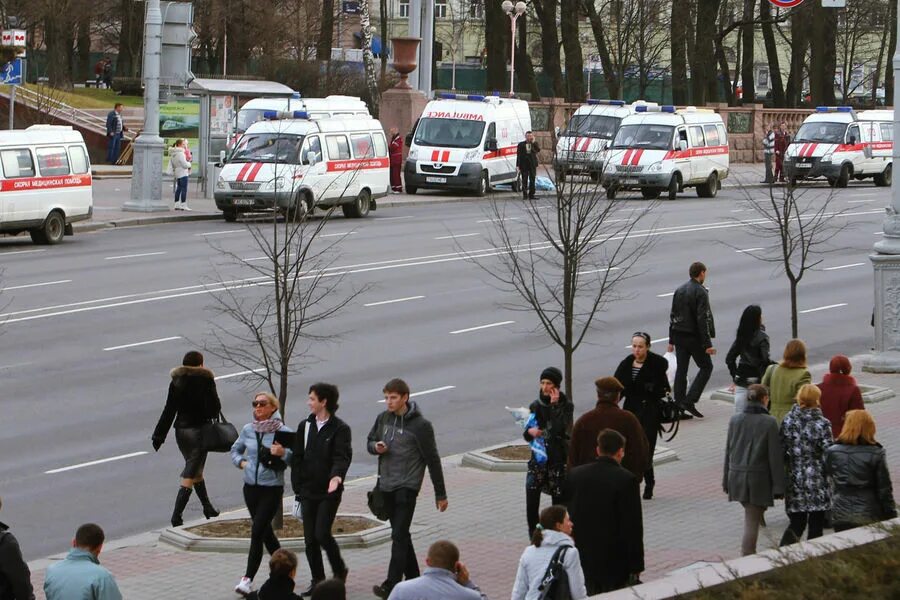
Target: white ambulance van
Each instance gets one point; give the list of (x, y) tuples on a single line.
[(289, 160), (664, 149), (45, 182), (317, 108), (579, 149), (837, 143), (466, 142)]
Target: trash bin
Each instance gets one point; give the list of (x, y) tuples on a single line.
[(212, 176)]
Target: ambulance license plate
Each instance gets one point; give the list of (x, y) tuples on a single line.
[(243, 201), (436, 180), (803, 165)]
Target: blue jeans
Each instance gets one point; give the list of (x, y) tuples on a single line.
[(112, 148), (181, 189)]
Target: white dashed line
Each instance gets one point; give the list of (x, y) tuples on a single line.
[(748, 250), (812, 310), (133, 255), (95, 462), (31, 285), (220, 232), (238, 374), (325, 235), (394, 301), (456, 235), (843, 267), (652, 341), (425, 392), (666, 295), (160, 340), (489, 325)]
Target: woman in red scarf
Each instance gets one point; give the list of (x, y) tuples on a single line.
[(396, 154)]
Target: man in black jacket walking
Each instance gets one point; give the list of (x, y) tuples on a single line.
[(526, 164), (605, 507), (404, 442), (322, 455), (691, 329), (15, 578)]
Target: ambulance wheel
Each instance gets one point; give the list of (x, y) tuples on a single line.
[(883, 179), (358, 208), (595, 176), (650, 193), (710, 188), (230, 216), (611, 192), (844, 178), (674, 184), (52, 231), (484, 187), (411, 190)]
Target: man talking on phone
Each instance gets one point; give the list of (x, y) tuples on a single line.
[(445, 578), (404, 442)]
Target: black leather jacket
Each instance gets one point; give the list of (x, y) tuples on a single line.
[(192, 400), (691, 314), (753, 362), (862, 484)]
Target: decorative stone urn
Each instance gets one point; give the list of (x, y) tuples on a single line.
[(405, 58)]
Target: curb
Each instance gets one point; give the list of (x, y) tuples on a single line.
[(480, 459), (870, 394), (97, 225)]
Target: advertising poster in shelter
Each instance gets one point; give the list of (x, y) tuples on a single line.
[(181, 119)]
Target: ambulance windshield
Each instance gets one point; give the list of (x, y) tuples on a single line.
[(828, 133), (268, 148), (595, 126), (248, 116), (449, 133), (655, 137)]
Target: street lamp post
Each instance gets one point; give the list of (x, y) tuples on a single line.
[(514, 12)]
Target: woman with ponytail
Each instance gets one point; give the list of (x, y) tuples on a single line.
[(552, 535)]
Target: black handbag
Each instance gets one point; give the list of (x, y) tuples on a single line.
[(377, 500), (670, 413), (555, 583), (219, 435)]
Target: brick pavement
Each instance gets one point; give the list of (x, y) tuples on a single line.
[(689, 520)]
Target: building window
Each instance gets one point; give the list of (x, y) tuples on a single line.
[(476, 9), (404, 10), (440, 9)]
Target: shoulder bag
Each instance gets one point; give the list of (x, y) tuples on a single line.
[(555, 583), (377, 500), (670, 413), (219, 435)]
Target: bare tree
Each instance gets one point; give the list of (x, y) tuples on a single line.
[(859, 43), (365, 24), (794, 233)]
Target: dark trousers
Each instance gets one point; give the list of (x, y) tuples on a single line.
[(263, 502), (403, 563), (798, 521), (686, 348), (533, 507), (599, 583), (181, 189), (649, 419), (112, 148), (769, 177), (528, 175), (318, 518)]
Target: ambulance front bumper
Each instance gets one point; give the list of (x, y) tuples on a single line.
[(577, 163), (804, 168), (467, 176), (636, 180), (249, 201)]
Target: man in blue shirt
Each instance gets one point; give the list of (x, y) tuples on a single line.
[(80, 574), (115, 127), (445, 578)]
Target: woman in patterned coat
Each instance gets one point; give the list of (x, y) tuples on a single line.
[(805, 434)]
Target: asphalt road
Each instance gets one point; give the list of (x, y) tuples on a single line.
[(94, 325)]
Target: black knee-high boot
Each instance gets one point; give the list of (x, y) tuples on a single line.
[(209, 511), (649, 483), (181, 500)]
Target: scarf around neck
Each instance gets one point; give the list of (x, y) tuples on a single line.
[(267, 425)]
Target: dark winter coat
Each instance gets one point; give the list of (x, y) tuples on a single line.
[(748, 364), (277, 587), (608, 415), (805, 435), (326, 454), (861, 483), (754, 459), (839, 395), (604, 504), (411, 447), (15, 578), (555, 421), (192, 400), (691, 314), (644, 393), (525, 160)]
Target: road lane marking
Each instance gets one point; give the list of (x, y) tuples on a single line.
[(238, 374), (489, 325), (394, 301), (497, 220), (394, 218), (812, 310), (95, 462), (860, 201), (599, 270), (22, 252), (456, 235), (878, 233), (652, 341), (133, 255), (843, 267), (157, 341), (325, 235), (31, 285), (425, 392), (749, 250), (737, 210), (666, 295), (226, 232)]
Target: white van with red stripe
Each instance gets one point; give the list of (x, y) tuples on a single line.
[(837, 143), (466, 142), (45, 182), (664, 149), (317, 108), (291, 162), (591, 128)]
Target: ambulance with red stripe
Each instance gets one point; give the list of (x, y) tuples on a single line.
[(591, 128), (317, 108), (45, 182), (466, 142), (661, 149), (838, 144), (291, 162)]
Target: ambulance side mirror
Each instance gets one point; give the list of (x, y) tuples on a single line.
[(852, 140), (221, 157), (491, 145), (409, 139), (682, 145)]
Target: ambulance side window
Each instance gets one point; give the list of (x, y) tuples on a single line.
[(680, 136), (869, 132), (887, 132), (380, 145), (853, 135), (712, 135), (17, 163), (362, 145), (338, 148), (79, 160), (312, 145), (52, 161), (696, 134), (723, 137)]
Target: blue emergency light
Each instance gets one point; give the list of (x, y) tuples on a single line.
[(607, 102), (272, 115), (451, 96), (644, 108), (295, 96), (843, 109)]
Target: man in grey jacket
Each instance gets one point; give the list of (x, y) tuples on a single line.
[(445, 578), (80, 574), (404, 442)]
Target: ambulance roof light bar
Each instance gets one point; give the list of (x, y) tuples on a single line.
[(665, 108), (274, 115), (827, 109), (296, 96), (452, 96), (606, 102)]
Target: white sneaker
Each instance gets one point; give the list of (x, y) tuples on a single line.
[(185, 207), (177, 206), (244, 586)]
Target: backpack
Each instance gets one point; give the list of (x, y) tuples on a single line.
[(555, 583)]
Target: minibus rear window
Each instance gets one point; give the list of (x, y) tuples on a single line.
[(17, 163)]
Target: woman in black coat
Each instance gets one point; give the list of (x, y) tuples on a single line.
[(553, 415), (322, 455), (192, 403), (643, 373)]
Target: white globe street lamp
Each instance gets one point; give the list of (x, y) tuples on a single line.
[(514, 11)]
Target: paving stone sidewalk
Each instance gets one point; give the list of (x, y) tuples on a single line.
[(688, 521)]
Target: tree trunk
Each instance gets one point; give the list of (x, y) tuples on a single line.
[(569, 10), (891, 49), (57, 36), (524, 67), (800, 22), (794, 322), (85, 70), (326, 34), (496, 46), (546, 11), (365, 24), (383, 9), (725, 71), (772, 54), (747, 53), (704, 54), (823, 55), (681, 14), (609, 70), (131, 39)]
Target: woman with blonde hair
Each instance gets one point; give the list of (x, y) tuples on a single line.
[(857, 467), (263, 461), (805, 435), (785, 379)]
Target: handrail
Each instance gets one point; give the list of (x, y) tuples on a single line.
[(56, 108)]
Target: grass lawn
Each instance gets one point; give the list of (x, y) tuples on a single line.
[(85, 97)]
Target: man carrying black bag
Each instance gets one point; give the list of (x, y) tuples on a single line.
[(404, 442)]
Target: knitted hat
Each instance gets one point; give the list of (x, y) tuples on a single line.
[(840, 364), (552, 374)]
